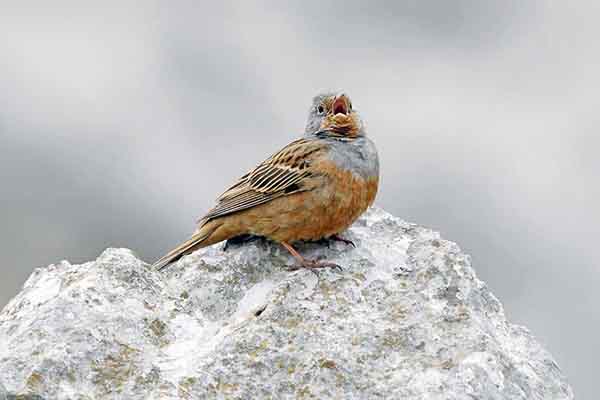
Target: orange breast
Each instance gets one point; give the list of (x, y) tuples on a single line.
[(338, 198), (350, 196)]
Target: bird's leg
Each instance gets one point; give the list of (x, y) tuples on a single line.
[(338, 238), (309, 264)]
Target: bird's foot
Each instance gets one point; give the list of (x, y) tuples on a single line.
[(338, 238), (335, 238), (312, 265)]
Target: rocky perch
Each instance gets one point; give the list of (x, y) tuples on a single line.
[(406, 319)]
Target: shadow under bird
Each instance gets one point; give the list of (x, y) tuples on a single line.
[(314, 188)]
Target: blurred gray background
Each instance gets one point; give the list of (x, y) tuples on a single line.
[(120, 123)]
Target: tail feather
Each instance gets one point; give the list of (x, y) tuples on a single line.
[(193, 243)]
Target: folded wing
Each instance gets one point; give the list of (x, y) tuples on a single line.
[(284, 173)]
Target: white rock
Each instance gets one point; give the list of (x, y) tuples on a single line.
[(406, 319)]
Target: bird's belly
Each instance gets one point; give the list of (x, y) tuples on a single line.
[(326, 210)]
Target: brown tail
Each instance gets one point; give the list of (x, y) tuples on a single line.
[(197, 241)]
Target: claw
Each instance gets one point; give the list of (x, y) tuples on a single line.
[(338, 238), (312, 265)]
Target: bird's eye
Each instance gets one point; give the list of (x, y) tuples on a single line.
[(320, 109)]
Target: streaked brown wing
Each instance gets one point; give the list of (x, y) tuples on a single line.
[(282, 174)]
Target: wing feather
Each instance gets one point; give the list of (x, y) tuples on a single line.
[(281, 174)]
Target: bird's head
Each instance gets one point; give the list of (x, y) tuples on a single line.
[(332, 114)]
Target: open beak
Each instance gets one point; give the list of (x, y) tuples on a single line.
[(341, 105)]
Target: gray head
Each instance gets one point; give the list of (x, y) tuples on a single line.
[(332, 112)]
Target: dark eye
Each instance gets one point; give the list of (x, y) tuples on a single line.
[(320, 109)]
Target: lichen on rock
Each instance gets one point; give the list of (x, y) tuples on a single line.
[(407, 318)]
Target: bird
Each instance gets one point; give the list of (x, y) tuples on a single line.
[(312, 189)]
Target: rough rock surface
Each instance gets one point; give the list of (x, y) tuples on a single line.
[(406, 319)]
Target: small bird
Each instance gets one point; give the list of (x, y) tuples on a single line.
[(314, 188)]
